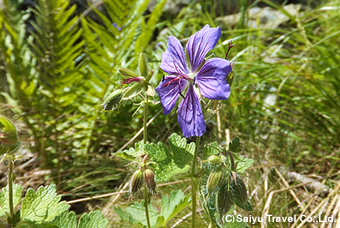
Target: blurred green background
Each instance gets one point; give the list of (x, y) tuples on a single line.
[(59, 60)]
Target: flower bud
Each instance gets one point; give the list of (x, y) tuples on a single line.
[(239, 194), (223, 200), (113, 100), (214, 179), (143, 66), (149, 179), (213, 159), (136, 181), (8, 136), (128, 73)]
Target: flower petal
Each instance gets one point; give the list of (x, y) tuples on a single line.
[(190, 116), (168, 91), (173, 59), (211, 79), (200, 44)]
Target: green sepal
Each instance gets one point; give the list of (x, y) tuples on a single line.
[(230, 78), (150, 91)]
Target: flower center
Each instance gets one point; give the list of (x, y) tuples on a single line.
[(191, 75)]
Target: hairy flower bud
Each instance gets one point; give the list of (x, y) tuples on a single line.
[(143, 66), (136, 181), (214, 179), (149, 179), (213, 159), (223, 200), (239, 194), (8, 136)]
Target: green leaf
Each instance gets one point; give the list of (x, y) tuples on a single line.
[(66, 220), (4, 202), (172, 206), (234, 145), (28, 224), (135, 214), (210, 149), (42, 205), (132, 153), (242, 163), (94, 219), (173, 160)]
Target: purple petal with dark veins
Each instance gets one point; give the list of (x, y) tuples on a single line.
[(168, 91), (211, 79), (173, 59), (190, 116), (200, 44)]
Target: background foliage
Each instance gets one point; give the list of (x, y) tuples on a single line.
[(59, 63)]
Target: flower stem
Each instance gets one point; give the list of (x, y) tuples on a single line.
[(146, 202), (146, 195), (194, 184), (10, 187), (145, 118)]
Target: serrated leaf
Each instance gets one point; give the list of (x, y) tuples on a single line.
[(4, 202), (42, 205), (94, 219), (132, 153), (28, 224), (135, 214), (66, 220), (210, 149), (234, 145), (172, 206), (242, 163), (173, 160)]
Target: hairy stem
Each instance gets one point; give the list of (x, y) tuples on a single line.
[(10, 187), (145, 135), (194, 184), (146, 202)]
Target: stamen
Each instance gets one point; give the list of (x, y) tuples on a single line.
[(229, 47), (163, 78), (194, 81)]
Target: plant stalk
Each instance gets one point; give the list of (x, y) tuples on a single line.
[(10, 188), (146, 202), (146, 196), (194, 184)]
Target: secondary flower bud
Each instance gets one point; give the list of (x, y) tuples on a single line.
[(149, 179), (214, 179), (136, 181)]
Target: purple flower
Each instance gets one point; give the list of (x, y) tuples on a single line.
[(208, 80)]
